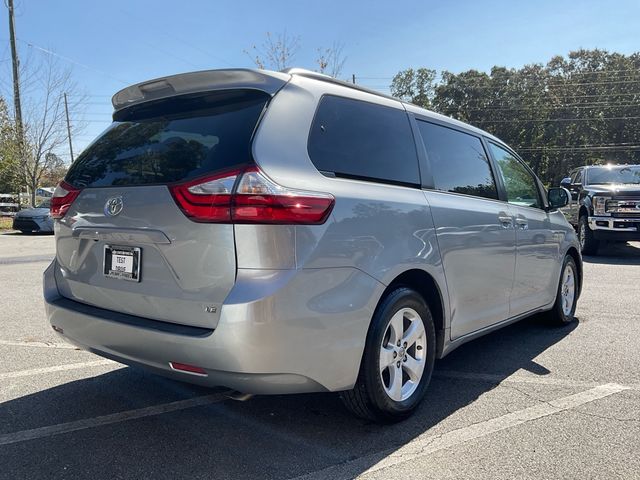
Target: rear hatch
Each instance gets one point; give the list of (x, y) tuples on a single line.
[(124, 244)]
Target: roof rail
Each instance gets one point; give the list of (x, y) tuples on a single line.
[(326, 78)]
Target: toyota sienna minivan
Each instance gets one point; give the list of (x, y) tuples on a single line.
[(286, 232)]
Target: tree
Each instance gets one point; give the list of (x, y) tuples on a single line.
[(331, 60), (279, 51), (415, 86), (56, 170), (276, 53), (45, 130), (576, 110), (9, 159)]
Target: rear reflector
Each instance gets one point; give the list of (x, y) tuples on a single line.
[(250, 197), (183, 367), (63, 197)]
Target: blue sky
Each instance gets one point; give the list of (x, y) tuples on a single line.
[(117, 42)]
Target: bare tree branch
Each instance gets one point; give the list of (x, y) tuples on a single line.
[(277, 52), (331, 60), (44, 119)]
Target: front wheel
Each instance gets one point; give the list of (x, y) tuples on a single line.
[(567, 295), (588, 243), (398, 359)]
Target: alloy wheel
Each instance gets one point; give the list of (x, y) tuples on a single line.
[(403, 354)]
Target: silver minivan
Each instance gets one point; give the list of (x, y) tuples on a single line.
[(285, 232)]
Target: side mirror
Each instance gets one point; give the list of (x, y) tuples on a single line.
[(558, 197), (565, 182)]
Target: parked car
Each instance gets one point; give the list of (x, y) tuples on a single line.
[(605, 204), (286, 232), (35, 219)]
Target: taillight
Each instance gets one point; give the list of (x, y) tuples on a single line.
[(63, 197), (258, 199), (255, 199), (206, 199)]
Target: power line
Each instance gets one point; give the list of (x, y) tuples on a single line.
[(581, 148), (169, 33), (557, 107), (49, 52), (557, 119), (511, 74), (552, 85)]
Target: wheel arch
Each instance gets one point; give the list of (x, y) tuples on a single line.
[(583, 212), (426, 285)]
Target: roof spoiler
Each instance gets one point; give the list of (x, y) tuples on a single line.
[(267, 81)]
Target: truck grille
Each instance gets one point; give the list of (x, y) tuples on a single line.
[(624, 207)]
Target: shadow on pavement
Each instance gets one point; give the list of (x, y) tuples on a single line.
[(616, 254), (266, 437)]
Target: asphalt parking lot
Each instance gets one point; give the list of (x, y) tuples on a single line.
[(530, 401)]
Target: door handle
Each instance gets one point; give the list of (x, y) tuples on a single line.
[(505, 220), (522, 223)]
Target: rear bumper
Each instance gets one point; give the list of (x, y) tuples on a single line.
[(612, 228), (288, 331)]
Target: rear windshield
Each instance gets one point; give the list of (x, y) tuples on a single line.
[(172, 140)]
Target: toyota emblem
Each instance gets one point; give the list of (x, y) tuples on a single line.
[(113, 206)]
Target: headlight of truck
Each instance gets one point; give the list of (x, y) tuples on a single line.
[(600, 205)]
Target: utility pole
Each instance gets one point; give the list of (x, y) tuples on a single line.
[(66, 111), (17, 105), (353, 78), (16, 66)]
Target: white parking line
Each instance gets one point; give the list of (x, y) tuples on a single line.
[(16, 343), (497, 379), (56, 368), (427, 444), (49, 431)]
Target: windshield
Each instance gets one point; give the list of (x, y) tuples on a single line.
[(45, 204), (604, 175)]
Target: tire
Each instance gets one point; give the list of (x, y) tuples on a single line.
[(588, 243), (564, 308), (372, 396)]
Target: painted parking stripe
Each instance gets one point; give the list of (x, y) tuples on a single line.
[(497, 379), (25, 259), (17, 343), (49, 431), (56, 368), (426, 444)]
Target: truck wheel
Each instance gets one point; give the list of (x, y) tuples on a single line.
[(567, 295), (588, 243), (398, 359)]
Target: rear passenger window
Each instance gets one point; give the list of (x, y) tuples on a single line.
[(458, 161), (356, 139)]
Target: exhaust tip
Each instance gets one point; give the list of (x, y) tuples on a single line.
[(239, 396)]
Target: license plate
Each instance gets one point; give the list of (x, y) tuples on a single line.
[(122, 263)]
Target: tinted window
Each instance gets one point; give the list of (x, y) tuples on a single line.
[(628, 174), (519, 183), (358, 139), (458, 161), (579, 175), (171, 140)]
